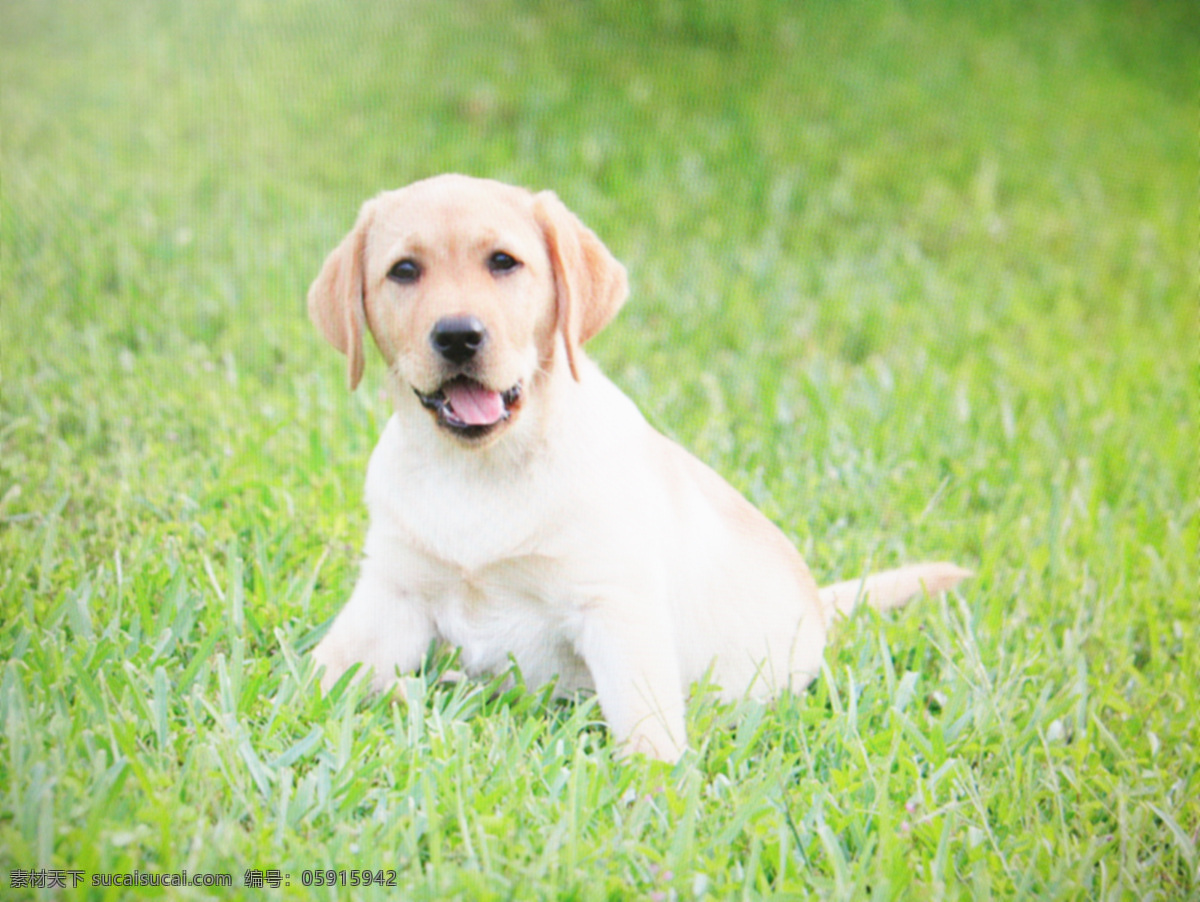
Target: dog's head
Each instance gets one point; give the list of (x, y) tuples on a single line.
[(470, 288)]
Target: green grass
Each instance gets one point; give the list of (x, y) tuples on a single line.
[(918, 278)]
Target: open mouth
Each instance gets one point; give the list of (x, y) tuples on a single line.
[(469, 409)]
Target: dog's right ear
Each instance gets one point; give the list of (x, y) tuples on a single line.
[(335, 300)]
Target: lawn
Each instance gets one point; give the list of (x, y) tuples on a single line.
[(919, 278)]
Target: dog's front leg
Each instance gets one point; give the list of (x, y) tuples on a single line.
[(381, 627), (634, 666)]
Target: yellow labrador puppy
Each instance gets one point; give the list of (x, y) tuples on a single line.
[(520, 504)]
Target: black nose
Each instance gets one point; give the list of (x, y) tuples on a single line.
[(457, 338)]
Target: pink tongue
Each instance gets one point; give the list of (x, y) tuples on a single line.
[(474, 404)]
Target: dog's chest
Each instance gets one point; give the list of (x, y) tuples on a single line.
[(465, 512), (493, 553), (511, 610)]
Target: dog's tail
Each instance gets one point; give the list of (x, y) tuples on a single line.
[(891, 588)]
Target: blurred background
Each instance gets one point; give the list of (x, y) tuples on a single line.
[(827, 210), (205, 155)]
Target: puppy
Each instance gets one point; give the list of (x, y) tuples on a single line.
[(519, 503)]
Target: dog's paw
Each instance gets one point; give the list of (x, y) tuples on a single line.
[(332, 662), (655, 741)]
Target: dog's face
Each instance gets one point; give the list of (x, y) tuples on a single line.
[(467, 287), (459, 295)]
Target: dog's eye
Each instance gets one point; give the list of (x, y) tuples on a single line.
[(502, 262), (405, 271)]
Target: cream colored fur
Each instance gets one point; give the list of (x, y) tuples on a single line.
[(571, 537)]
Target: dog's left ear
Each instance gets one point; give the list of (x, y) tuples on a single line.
[(335, 300), (590, 284)]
